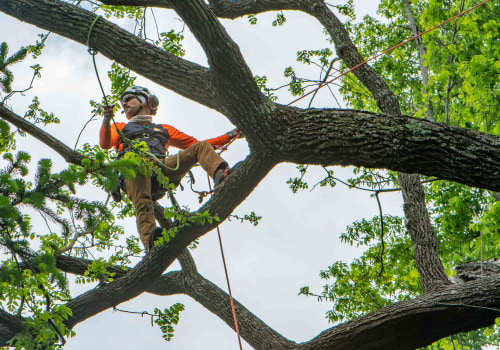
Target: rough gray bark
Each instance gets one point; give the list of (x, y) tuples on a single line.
[(472, 271), (334, 137), (405, 325), (10, 325), (418, 223), (425, 243), (277, 133)]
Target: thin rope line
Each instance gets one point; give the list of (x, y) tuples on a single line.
[(227, 279), (90, 31), (229, 289), (390, 49), (93, 53)]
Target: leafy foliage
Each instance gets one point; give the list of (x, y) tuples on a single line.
[(463, 63), (280, 20), (347, 9), (120, 81), (252, 19), (37, 115), (6, 76), (183, 218), (385, 273), (131, 12), (261, 83), (171, 42), (252, 218), (465, 219), (168, 317)]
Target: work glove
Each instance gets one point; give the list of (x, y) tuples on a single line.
[(108, 112), (235, 134)]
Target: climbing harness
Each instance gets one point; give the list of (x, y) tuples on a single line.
[(155, 136), (135, 136), (140, 133)]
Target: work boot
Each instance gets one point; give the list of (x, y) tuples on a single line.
[(155, 234), (220, 175)]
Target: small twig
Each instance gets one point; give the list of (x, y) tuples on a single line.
[(327, 74), (80, 234), (81, 131), (134, 312)]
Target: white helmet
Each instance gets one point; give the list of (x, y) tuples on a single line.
[(145, 96)]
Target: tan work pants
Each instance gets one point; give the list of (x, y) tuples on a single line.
[(138, 190)]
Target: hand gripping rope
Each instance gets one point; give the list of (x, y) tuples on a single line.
[(203, 194), (93, 52)]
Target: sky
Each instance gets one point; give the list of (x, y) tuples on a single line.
[(298, 234)]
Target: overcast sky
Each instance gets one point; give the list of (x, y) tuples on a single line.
[(268, 264)]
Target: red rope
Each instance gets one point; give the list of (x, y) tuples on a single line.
[(229, 289), (338, 77), (227, 279), (390, 49)]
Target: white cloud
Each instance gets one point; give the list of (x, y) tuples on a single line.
[(297, 237)]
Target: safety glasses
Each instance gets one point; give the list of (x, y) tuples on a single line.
[(127, 98)]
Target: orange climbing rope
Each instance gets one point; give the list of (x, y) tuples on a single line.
[(204, 193), (390, 49), (227, 275)]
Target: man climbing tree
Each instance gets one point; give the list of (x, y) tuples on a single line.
[(223, 81), (140, 105)]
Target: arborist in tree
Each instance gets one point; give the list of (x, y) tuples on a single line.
[(139, 104)]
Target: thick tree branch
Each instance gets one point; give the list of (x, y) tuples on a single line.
[(64, 151), (388, 103), (224, 8), (462, 307), (327, 137), (186, 78), (419, 322), (333, 137), (457, 307), (471, 271), (224, 56), (348, 52), (412, 149), (230, 194), (346, 137), (214, 299), (243, 180), (425, 244), (258, 334), (9, 326), (167, 284)]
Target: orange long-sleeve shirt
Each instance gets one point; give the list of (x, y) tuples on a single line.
[(109, 138)]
